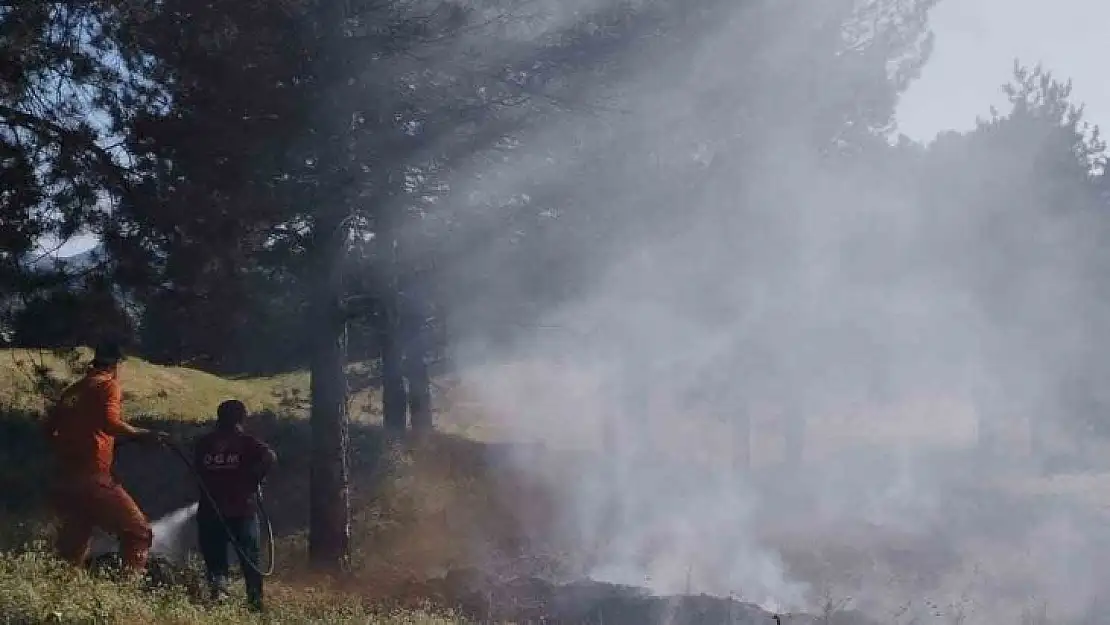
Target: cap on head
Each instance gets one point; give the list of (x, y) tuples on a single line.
[(231, 413), (107, 354)]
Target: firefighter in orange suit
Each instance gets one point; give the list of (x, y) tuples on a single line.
[(82, 430)]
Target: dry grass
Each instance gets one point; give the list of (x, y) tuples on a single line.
[(191, 395), (35, 588), (169, 392)]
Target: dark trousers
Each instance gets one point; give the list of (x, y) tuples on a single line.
[(214, 543)]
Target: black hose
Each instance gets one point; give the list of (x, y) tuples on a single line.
[(264, 518)]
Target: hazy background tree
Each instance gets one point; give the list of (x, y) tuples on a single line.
[(1030, 179)]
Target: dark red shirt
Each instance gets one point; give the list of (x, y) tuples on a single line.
[(231, 465)]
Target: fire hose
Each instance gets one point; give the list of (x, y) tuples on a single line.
[(264, 518)]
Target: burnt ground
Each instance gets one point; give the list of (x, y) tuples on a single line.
[(483, 598)]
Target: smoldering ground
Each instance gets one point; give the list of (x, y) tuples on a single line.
[(737, 270)]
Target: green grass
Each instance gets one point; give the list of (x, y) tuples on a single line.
[(35, 588), (167, 392)]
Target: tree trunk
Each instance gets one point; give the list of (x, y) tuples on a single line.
[(394, 397), (415, 332), (330, 512), (329, 482), (419, 387)]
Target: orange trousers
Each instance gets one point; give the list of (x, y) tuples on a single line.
[(85, 503)]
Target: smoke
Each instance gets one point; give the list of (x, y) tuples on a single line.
[(653, 363), (175, 534), (781, 357), (174, 537)]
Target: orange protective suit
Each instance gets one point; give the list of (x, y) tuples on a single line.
[(82, 430)]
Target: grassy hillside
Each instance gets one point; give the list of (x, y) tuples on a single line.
[(183, 394), (171, 392)]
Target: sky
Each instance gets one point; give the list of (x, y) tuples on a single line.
[(77, 245), (976, 44)]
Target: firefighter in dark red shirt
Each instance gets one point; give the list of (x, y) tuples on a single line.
[(232, 465)]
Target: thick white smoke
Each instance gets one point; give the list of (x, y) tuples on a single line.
[(842, 310)]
